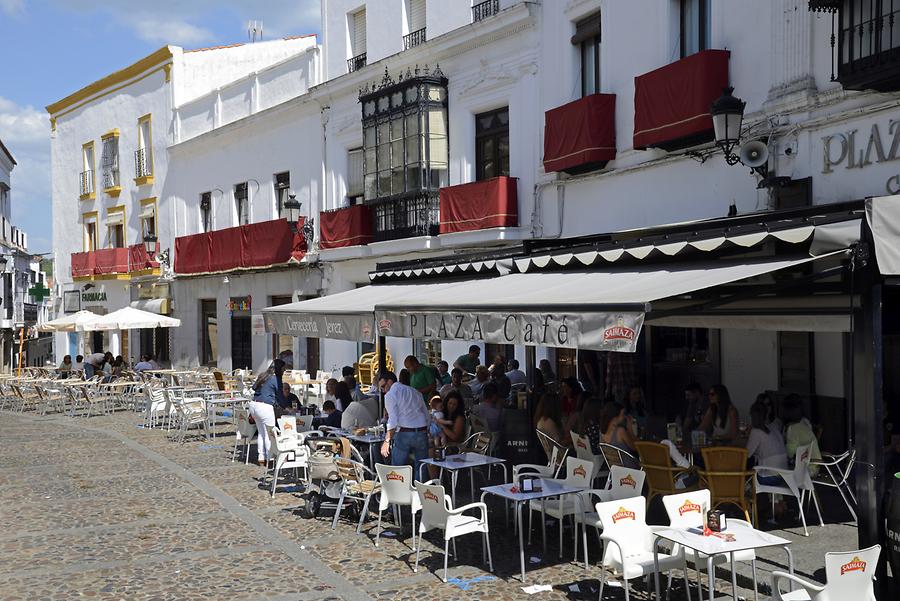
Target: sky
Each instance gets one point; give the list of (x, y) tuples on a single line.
[(51, 48)]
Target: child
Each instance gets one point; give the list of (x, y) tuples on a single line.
[(437, 420)]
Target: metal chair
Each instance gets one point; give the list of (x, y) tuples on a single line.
[(836, 474), (797, 482)]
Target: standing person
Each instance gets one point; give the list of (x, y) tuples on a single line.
[(266, 394), (694, 409), (469, 362), (407, 425), (443, 372), (92, 364), (421, 377), (721, 419), (515, 375)]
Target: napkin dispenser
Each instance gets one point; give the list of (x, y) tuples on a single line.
[(440, 454), (530, 484), (716, 521)]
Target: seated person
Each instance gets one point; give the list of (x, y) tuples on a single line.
[(332, 416), (765, 444), (291, 400), (456, 384), (489, 409), (359, 414), (443, 369), (515, 375), (144, 364), (482, 375)]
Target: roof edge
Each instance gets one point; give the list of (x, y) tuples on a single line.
[(151, 60), (7, 153)]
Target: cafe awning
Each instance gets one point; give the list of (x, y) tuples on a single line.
[(883, 216)]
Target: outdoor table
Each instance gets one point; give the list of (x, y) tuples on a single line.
[(549, 488), (211, 402), (745, 538), (369, 439), (455, 463)]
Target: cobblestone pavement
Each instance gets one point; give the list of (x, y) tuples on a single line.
[(100, 508)]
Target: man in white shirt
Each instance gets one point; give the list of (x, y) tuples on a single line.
[(358, 414), (144, 364), (407, 424), (515, 375), (93, 363)]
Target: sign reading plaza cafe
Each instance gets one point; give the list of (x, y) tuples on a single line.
[(598, 331), (861, 147)]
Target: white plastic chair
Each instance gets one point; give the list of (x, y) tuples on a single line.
[(688, 510), (438, 512), (397, 489), (797, 483), (579, 474), (630, 541), (850, 575), (556, 457), (835, 473), (245, 432), (623, 483), (584, 451), (287, 452)]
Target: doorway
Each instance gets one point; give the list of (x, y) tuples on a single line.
[(241, 350)]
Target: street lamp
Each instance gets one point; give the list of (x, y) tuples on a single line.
[(150, 241), (728, 113), (292, 208), (3, 261)]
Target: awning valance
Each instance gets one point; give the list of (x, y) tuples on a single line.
[(883, 215), (153, 305)]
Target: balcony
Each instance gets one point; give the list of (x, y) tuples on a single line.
[(356, 63), (868, 51), (407, 216), (483, 10), (252, 246), (140, 261), (347, 226), (580, 136), (86, 185), (479, 206), (414, 38), (111, 185), (105, 262), (671, 104), (143, 166)]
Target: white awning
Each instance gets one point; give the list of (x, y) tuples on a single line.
[(117, 218), (68, 323), (883, 215), (343, 316), (153, 305), (129, 318)]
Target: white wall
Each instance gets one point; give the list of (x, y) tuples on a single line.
[(829, 367), (749, 366)]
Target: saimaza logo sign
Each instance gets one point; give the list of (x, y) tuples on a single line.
[(856, 565), (628, 481), (392, 475), (580, 443), (622, 514), (580, 471), (688, 507), (619, 332), (430, 496)]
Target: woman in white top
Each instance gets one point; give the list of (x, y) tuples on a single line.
[(765, 444)]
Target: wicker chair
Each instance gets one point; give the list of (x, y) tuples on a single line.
[(661, 474), (726, 476)]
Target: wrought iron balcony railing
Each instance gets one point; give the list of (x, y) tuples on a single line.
[(86, 182), (356, 63), (414, 38), (868, 53), (406, 216), (483, 10), (110, 178), (143, 166)]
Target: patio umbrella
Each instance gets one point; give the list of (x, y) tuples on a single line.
[(69, 323), (129, 318)]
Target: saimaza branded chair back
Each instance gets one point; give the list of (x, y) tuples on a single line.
[(397, 489), (579, 474), (584, 451), (726, 476), (850, 575), (246, 433), (630, 542), (287, 452), (438, 513), (623, 482)]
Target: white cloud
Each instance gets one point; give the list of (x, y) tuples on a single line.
[(165, 30), (12, 7), (25, 131)]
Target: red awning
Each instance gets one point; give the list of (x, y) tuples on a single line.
[(671, 104), (253, 246), (479, 205), (139, 260), (83, 264), (349, 226), (581, 133), (110, 261)]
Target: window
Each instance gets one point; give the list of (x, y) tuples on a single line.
[(143, 156), (209, 333), (115, 227), (109, 163), (148, 217), (587, 40), (280, 342), (86, 179), (868, 38), (90, 231), (356, 23), (695, 26), (282, 189), (415, 23), (206, 211), (355, 175), (492, 144), (4, 200), (241, 203)]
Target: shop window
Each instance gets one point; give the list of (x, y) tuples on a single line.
[(492, 144), (587, 40), (209, 333), (282, 189), (695, 26)]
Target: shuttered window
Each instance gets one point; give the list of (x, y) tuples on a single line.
[(355, 174), (416, 15), (359, 32)]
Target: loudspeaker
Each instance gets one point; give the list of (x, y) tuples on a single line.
[(754, 154)]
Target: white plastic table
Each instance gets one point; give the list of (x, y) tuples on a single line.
[(745, 538), (455, 463), (549, 488)]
